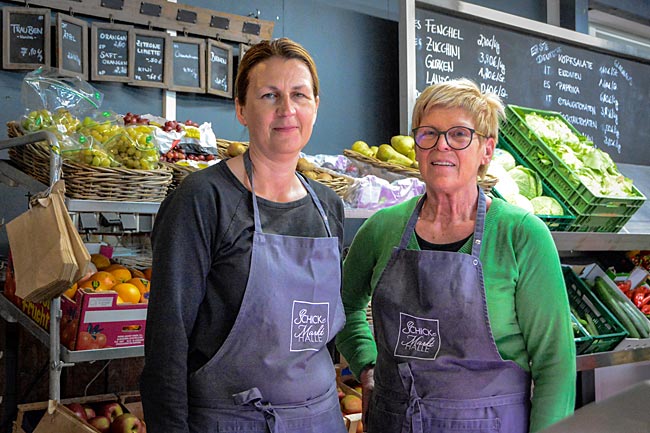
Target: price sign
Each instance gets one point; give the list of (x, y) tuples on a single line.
[(26, 38), (110, 43), (149, 53), (219, 69), (72, 46), (188, 64)]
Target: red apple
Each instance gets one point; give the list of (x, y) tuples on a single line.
[(128, 423), (78, 409), (101, 423), (110, 410), (90, 412)]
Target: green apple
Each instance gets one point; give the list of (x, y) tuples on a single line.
[(403, 144)]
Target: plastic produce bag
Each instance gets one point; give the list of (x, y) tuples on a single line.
[(372, 192), (45, 88)]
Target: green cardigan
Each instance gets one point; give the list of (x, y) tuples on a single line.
[(526, 299)]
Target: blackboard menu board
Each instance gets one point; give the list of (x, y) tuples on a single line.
[(110, 52), (603, 94), (188, 65), (149, 54), (72, 46), (26, 38), (219, 69)]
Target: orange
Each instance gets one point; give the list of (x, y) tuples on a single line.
[(141, 283), (147, 273), (113, 266), (144, 298), (100, 260), (128, 292), (121, 274), (136, 273), (71, 291), (101, 280)]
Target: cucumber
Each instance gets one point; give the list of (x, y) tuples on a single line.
[(605, 296), (634, 312), (591, 326), (640, 326)]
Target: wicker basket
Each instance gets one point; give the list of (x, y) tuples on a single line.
[(338, 182), (88, 182), (406, 171), (178, 173), (222, 147)]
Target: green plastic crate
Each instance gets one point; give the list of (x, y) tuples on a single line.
[(558, 223), (582, 202), (583, 340), (584, 301)]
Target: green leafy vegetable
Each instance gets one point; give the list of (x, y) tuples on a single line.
[(503, 158), (590, 165), (528, 181), (544, 205)]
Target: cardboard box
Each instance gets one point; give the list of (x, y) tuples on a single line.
[(109, 324), (36, 418), (38, 311), (94, 320)]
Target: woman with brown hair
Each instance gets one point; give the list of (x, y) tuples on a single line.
[(246, 273)]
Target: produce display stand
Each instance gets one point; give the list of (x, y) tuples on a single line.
[(567, 242), (59, 355)]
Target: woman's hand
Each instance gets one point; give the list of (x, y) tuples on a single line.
[(367, 386)]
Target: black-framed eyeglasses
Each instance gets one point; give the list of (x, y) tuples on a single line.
[(457, 137)]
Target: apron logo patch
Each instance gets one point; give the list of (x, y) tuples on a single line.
[(309, 325), (418, 337)]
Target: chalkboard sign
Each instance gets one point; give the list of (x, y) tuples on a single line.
[(188, 65), (25, 38), (110, 52), (603, 94), (72, 46), (149, 53), (242, 51), (219, 69)]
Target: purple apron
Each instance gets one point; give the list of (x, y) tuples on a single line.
[(438, 369), (274, 372)]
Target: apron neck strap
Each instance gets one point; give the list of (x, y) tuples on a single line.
[(248, 165), (478, 228)]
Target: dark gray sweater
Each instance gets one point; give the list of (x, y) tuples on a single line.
[(202, 242)]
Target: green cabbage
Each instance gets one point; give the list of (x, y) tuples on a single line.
[(544, 205), (520, 201), (503, 158), (505, 185), (528, 181)]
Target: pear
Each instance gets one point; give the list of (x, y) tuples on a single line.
[(388, 154), (361, 147), (403, 144)]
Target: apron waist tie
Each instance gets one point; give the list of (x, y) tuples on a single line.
[(253, 397), (413, 416)]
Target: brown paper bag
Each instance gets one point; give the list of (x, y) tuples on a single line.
[(81, 254), (44, 259)]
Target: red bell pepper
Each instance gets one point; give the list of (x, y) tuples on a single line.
[(639, 294)]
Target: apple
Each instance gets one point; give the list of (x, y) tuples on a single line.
[(128, 423), (90, 412), (101, 423), (77, 409), (110, 410)]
